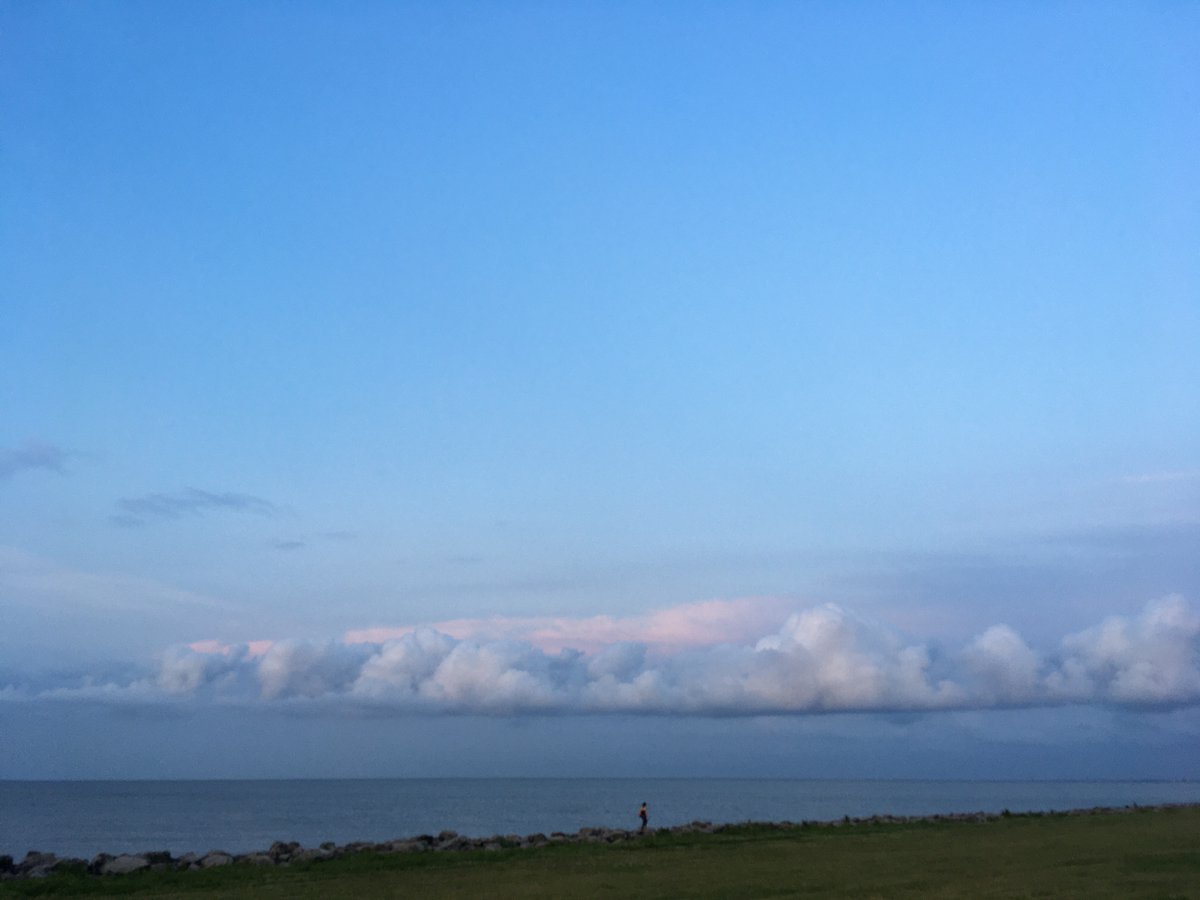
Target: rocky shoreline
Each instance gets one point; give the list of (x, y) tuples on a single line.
[(39, 865)]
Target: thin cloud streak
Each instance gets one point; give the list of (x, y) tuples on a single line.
[(36, 581), (33, 455), (190, 502), (819, 660), (1161, 477)]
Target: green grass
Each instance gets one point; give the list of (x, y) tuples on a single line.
[(1141, 853)]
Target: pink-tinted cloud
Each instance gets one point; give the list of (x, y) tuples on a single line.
[(702, 624), (251, 648)]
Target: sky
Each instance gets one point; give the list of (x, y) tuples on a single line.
[(762, 389)]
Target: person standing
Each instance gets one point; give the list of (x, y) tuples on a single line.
[(644, 816)]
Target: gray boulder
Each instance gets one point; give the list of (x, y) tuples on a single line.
[(124, 864), (96, 866), (409, 846), (35, 865), (215, 858), (281, 852)]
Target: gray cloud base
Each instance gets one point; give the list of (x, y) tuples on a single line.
[(823, 659)]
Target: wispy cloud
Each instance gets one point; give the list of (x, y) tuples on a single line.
[(33, 455), (302, 541), (189, 502), (59, 590), (1162, 477), (821, 659)]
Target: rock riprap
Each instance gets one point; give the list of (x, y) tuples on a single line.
[(37, 864)]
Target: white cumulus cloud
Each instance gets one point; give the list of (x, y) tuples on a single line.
[(822, 659), (1154, 659)]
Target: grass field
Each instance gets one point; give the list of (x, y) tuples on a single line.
[(1138, 853)]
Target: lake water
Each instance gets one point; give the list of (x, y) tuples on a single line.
[(82, 818)]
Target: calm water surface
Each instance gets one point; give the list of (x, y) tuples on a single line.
[(82, 818)]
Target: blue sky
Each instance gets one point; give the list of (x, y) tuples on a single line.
[(489, 377)]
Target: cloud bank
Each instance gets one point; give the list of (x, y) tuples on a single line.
[(822, 659)]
